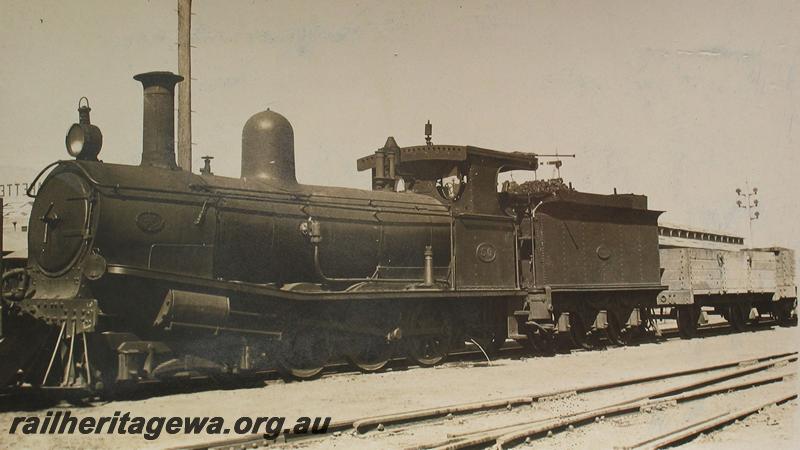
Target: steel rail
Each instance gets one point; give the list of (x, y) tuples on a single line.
[(362, 425), (720, 420)]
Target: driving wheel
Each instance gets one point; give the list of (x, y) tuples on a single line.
[(430, 339)]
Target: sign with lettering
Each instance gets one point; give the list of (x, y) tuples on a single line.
[(17, 189)]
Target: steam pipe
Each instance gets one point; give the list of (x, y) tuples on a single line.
[(374, 277)]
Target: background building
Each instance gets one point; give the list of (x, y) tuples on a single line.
[(16, 210)]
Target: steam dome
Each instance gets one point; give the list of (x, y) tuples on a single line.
[(268, 148)]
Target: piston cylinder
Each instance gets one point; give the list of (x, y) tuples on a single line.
[(213, 313), (193, 308)]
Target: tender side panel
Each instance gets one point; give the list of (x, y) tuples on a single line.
[(594, 246)]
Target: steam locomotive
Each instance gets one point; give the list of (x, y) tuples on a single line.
[(152, 272)]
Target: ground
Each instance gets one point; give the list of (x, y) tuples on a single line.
[(349, 395)]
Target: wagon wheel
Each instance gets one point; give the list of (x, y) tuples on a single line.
[(780, 316), (782, 312), (430, 339), (755, 320), (737, 316), (734, 316), (304, 355), (687, 316), (618, 332), (579, 329)]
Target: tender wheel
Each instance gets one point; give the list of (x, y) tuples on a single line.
[(618, 332), (687, 316), (430, 339), (579, 328), (647, 329), (528, 344), (304, 355), (543, 343)]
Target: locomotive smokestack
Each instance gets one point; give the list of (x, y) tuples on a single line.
[(268, 148), (158, 130)]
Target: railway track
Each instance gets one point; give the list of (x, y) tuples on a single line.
[(516, 425)]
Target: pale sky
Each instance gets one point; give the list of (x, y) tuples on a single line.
[(679, 100)]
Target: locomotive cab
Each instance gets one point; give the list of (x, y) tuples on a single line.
[(484, 235), (464, 177)]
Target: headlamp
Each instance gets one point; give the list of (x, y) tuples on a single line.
[(84, 140)]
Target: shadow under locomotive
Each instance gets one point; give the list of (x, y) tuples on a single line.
[(151, 272)]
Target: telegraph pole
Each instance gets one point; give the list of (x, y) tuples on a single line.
[(748, 201), (185, 88)]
